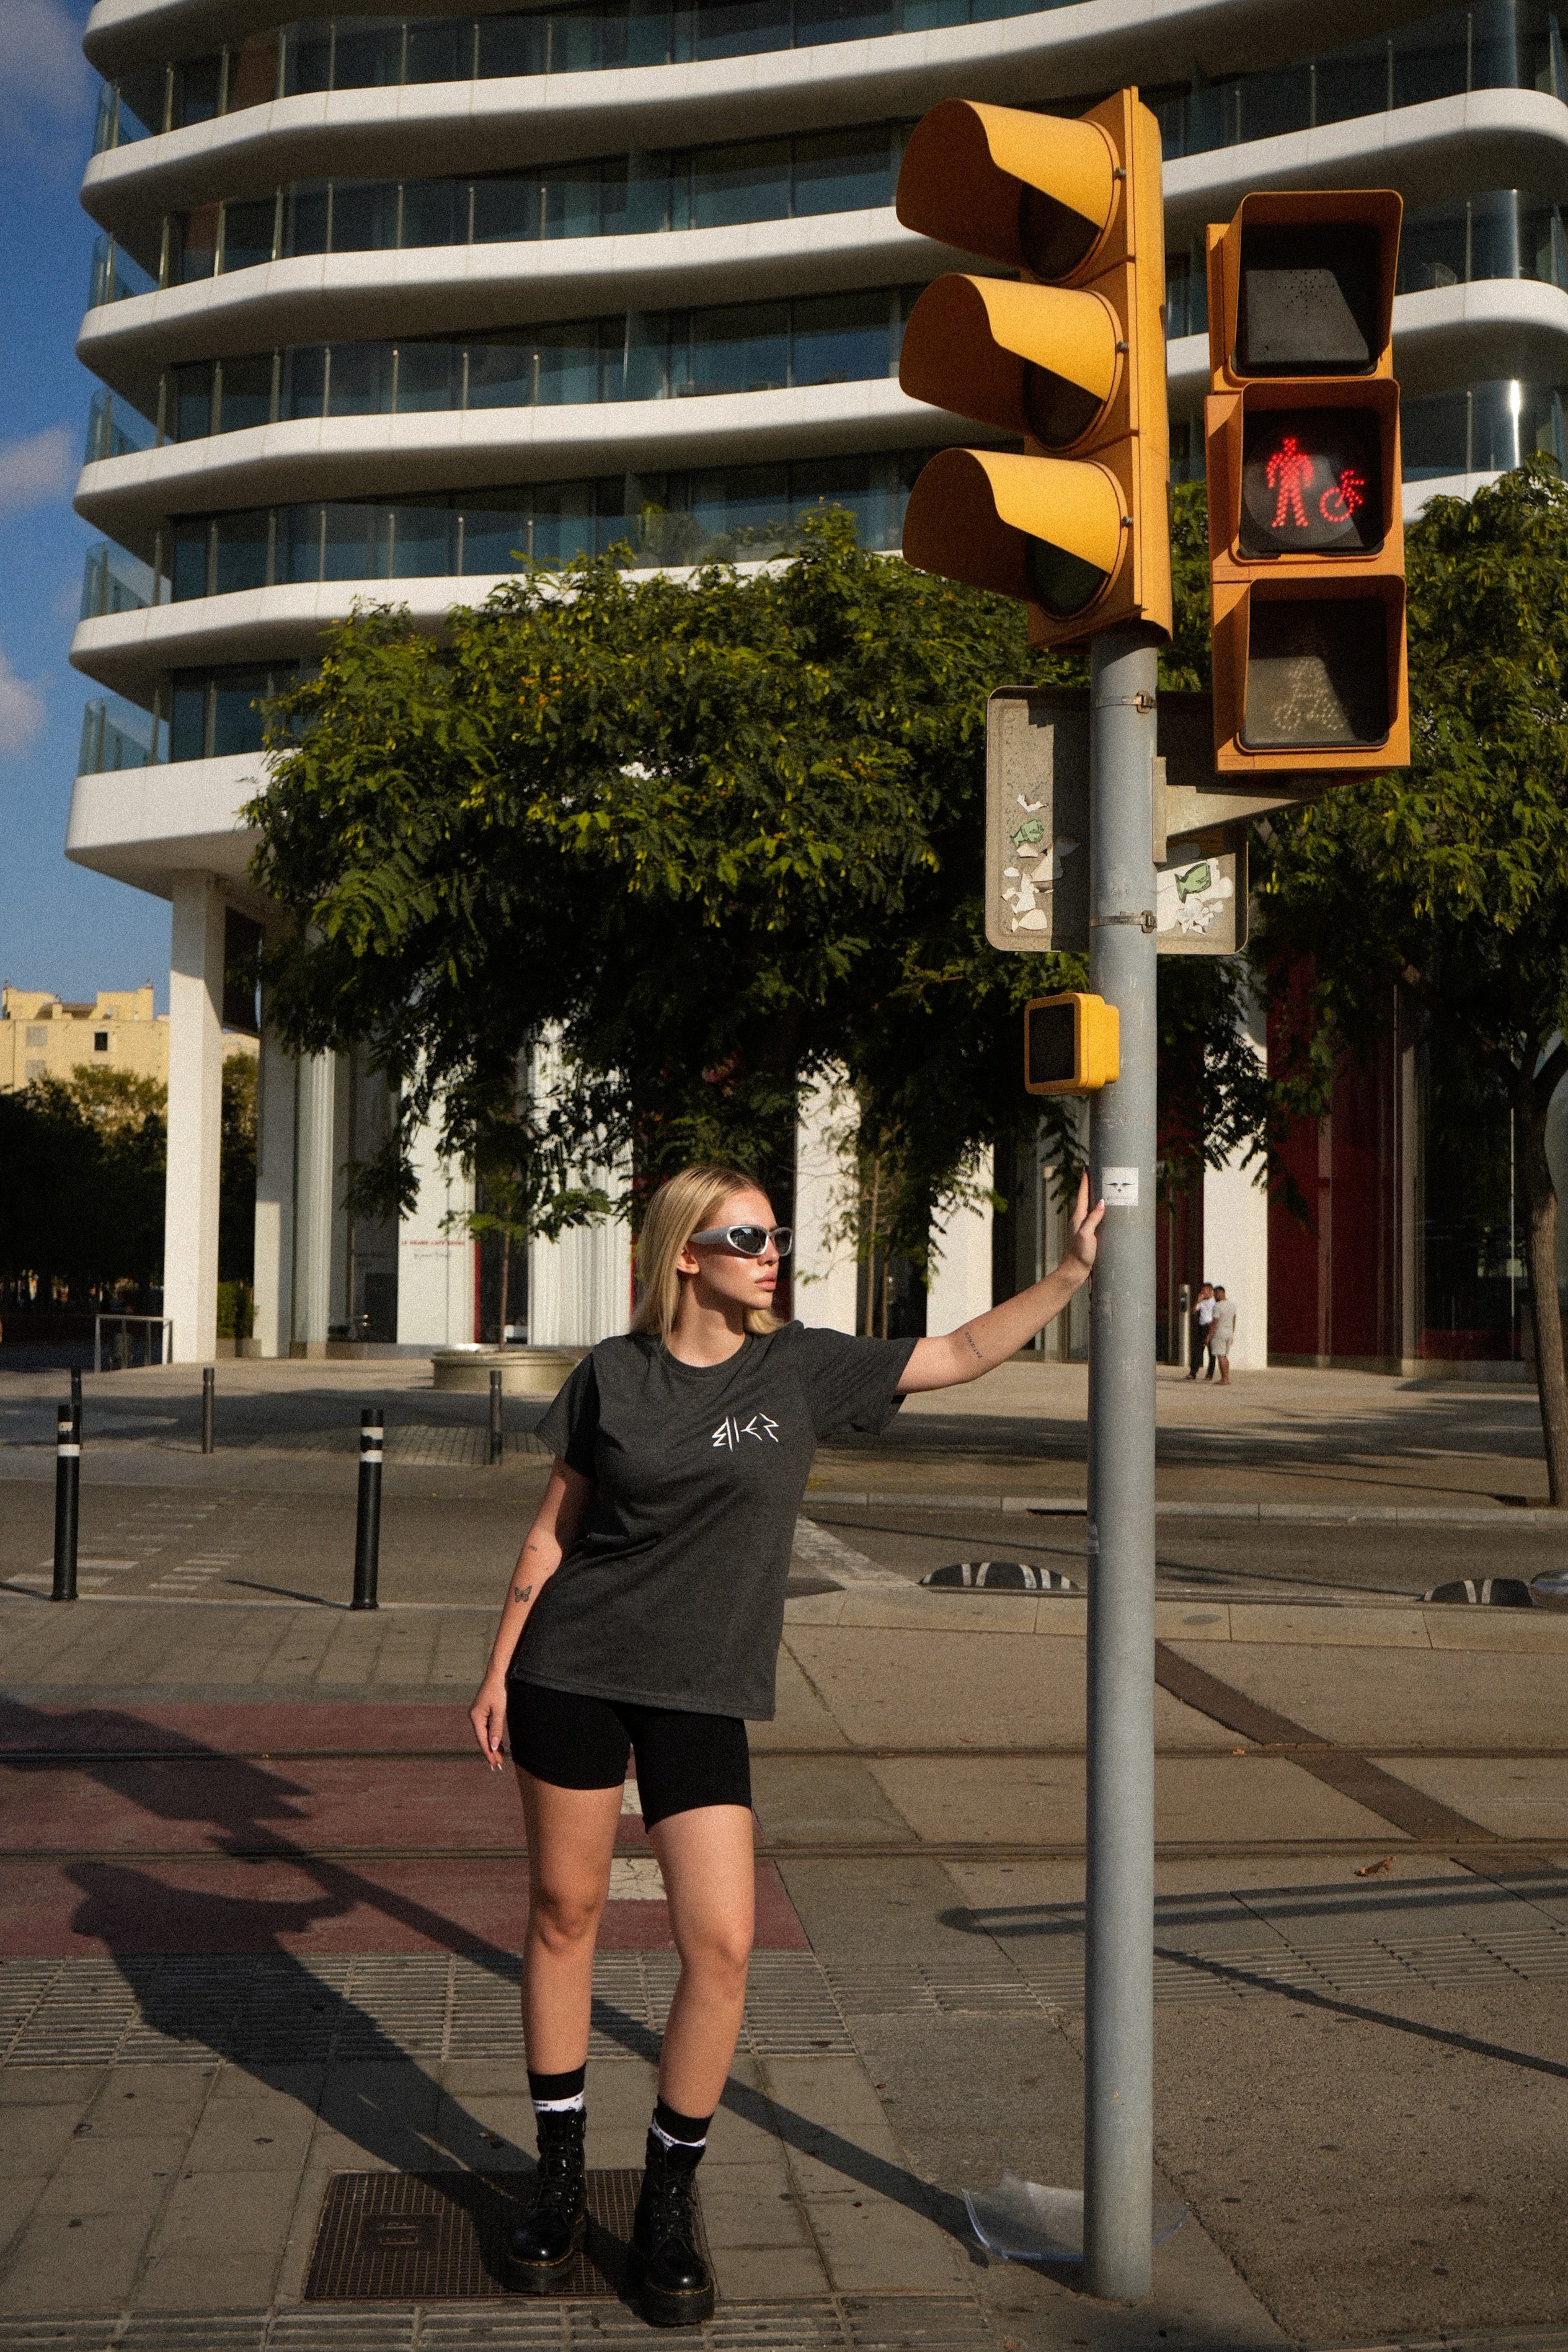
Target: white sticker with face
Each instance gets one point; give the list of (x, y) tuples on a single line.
[(1119, 1187)]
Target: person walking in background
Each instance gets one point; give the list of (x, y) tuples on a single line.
[(1202, 1317), (644, 1618), (1221, 1332)]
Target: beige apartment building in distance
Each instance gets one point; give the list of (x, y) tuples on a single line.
[(41, 1036)]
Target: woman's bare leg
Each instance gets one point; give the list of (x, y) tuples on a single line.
[(571, 1841), (706, 1860)]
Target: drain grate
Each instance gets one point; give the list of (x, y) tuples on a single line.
[(441, 2237)]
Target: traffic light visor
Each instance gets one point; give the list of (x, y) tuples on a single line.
[(1031, 191), (1047, 529), (1029, 359)]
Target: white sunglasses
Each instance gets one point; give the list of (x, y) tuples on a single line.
[(748, 1241)]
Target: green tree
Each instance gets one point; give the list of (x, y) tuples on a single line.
[(1452, 883), (82, 1182), (716, 838)]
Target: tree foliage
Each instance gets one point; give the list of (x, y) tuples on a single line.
[(717, 838), (1450, 883), (81, 1182)]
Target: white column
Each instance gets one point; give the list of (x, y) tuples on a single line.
[(273, 1193), (825, 1267), (195, 1117), (961, 1268), (580, 1287), (1235, 1234), (315, 1186), (435, 1254)]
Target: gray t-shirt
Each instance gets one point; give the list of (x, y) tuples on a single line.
[(672, 1595)]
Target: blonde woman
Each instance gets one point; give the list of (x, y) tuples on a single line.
[(642, 1619)]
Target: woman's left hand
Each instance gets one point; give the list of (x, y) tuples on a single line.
[(1084, 1228)]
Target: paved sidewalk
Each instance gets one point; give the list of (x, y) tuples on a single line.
[(259, 1906)]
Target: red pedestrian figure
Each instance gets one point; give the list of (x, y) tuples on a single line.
[(1288, 472)]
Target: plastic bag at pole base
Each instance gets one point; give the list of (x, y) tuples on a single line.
[(1020, 2222)]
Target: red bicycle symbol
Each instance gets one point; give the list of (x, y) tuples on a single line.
[(1340, 499)]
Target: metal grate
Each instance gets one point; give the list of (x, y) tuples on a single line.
[(910, 2323), (271, 2008), (430, 2237)]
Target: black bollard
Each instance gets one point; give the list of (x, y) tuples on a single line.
[(495, 1415), (209, 1385), (368, 1532), (68, 1485), (76, 1400)]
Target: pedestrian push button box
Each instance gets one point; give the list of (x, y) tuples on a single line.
[(1071, 1045)]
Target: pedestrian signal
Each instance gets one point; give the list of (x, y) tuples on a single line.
[(1071, 1045), (1069, 359), (1306, 541)]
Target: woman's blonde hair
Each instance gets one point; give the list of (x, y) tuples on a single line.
[(681, 1207)]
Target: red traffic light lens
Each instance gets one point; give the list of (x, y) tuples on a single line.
[(1312, 483)]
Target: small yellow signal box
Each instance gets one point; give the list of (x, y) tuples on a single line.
[(1070, 358), (1071, 1045)]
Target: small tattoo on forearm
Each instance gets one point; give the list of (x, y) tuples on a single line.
[(522, 1592), (974, 1348)]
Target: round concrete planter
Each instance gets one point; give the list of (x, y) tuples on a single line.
[(525, 1371)]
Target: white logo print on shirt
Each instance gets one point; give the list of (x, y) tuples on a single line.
[(730, 1431)]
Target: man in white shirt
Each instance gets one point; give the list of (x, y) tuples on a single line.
[(1202, 1317), (1221, 1332)]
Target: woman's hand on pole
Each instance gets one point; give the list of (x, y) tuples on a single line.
[(1083, 1227)]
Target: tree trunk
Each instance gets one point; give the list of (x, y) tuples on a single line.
[(1545, 1307)]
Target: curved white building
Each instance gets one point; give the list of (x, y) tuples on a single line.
[(379, 303)]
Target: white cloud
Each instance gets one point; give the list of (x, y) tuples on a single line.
[(21, 710), (41, 43), (38, 469)]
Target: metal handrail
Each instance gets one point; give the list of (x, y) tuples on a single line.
[(163, 1324)]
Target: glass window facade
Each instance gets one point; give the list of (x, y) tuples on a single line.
[(637, 355), (1500, 233), (1498, 43), (715, 187)]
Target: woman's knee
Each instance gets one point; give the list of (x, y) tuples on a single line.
[(564, 1919), (720, 1950)]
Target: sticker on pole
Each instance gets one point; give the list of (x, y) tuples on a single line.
[(1119, 1187)]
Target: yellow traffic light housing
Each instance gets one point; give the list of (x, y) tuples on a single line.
[(1071, 1045), (1306, 538), (1070, 359)]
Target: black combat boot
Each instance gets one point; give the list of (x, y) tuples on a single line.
[(543, 2250), (673, 2283)]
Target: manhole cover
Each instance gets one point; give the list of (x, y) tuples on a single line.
[(437, 2237)]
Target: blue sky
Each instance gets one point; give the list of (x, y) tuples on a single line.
[(60, 927)]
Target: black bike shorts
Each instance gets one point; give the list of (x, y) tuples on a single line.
[(683, 1761)]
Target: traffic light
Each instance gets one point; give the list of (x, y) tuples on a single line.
[(1071, 1045), (1306, 538), (1070, 358)]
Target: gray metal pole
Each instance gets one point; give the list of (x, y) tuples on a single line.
[(1118, 2138)]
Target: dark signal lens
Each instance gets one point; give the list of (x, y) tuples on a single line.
[(1057, 412), (1053, 238), (1061, 584), (1309, 300), (1312, 482), (1050, 1044), (1317, 674)]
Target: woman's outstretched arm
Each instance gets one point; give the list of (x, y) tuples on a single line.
[(989, 1339), (551, 1538)]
